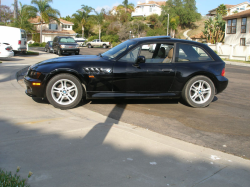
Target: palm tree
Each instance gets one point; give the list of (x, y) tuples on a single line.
[(126, 6), (99, 19), (25, 12), (81, 17), (45, 12)]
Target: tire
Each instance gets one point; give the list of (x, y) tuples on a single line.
[(45, 49), (89, 46), (199, 91), (64, 97), (54, 51), (59, 52), (77, 53), (104, 46)]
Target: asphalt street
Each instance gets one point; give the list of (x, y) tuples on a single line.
[(224, 125), (81, 147)]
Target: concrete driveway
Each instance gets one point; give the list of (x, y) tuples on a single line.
[(80, 147)]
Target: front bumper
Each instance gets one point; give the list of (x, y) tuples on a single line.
[(67, 50), (34, 91)]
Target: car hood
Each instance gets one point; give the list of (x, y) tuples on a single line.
[(63, 62)]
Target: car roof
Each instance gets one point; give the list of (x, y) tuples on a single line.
[(164, 38)]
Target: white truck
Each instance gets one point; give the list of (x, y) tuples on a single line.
[(16, 37), (98, 43)]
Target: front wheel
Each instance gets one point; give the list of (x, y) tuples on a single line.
[(59, 52), (199, 91), (64, 91)]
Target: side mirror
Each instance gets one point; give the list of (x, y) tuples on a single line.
[(141, 59)]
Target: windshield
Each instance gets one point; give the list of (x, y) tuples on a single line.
[(114, 52), (67, 40)]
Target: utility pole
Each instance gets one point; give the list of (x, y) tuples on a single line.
[(168, 25), (15, 9)]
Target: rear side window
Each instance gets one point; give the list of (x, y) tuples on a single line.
[(23, 34), (191, 53)]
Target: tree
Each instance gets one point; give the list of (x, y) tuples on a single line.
[(222, 10), (5, 14), (126, 6), (99, 19), (81, 16), (214, 29), (25, 12), (45, 13)]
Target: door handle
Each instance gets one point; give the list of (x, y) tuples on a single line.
[(167, 70)]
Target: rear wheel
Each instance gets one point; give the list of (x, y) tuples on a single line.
[(45, 49), (89, 46), (64, 91), (199, 91), (104, 46)]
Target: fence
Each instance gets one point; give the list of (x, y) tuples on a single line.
[(235, 52)]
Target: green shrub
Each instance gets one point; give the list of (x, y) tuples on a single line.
[(215, 51), (115, 44), (91, 38), (37, 44), (7, 179), (156, 32), (36, 37)]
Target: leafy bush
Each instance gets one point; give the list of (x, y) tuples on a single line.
[(37, 44), (7, 179), (110, 38), (36, 37), (156, 32), (91, 38)]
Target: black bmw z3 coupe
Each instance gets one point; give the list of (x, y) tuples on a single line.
[(151, 67)]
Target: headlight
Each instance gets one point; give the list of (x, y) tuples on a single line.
[(62, 46), (34, 74)]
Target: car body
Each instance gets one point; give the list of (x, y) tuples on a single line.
[(98, 43), (15, 37), (48, 47), (6, 50), (62, 44), (189, 70), (80, 41)]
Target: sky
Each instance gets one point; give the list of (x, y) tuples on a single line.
[(69, 7)]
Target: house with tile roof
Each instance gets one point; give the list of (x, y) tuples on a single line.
[(232, 8), (148, 8), (52, 29)]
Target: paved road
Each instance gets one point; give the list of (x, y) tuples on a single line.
[(224, 125)]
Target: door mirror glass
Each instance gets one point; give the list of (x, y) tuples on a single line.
[(141, 59)]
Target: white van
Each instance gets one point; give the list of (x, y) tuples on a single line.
[(16, 37)]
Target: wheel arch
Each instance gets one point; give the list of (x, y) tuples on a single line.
[(66, 71), (203, 73)]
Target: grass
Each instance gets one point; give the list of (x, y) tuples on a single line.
[(7, 179), (31, 53), (232, 60), (0, 62)]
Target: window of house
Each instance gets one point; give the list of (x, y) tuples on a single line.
[(243, 25), (53, 26), (68, 26), (231, 26), (243, 42)]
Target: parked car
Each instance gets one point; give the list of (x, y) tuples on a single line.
[(80, 41), (189, 70), (98, 43), (48, 47), (16, 37), (6, 50), (62, 44)]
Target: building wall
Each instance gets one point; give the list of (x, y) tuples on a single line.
[(146, 10), (235, 38), (239, 8)]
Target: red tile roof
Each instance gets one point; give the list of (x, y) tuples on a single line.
[(37, 21), (242, 14)]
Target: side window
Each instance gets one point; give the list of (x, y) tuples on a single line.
[(191, 53), (157, 52), (131, 56)]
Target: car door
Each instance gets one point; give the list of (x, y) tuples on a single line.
[(156, 75)]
